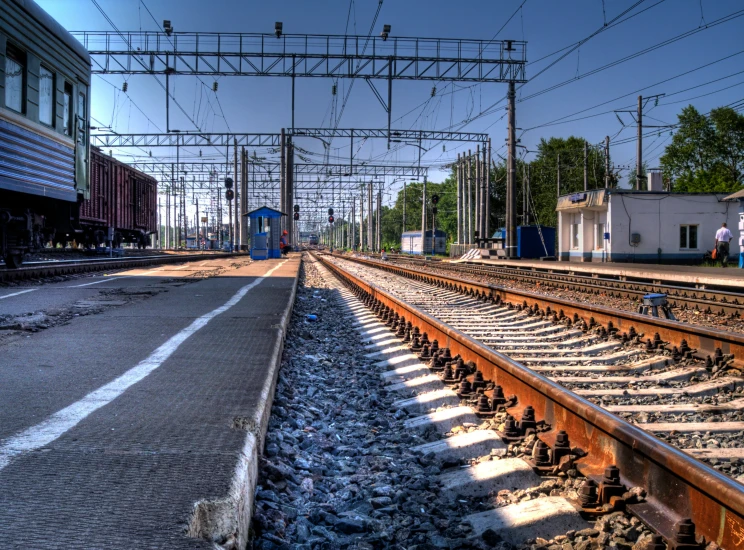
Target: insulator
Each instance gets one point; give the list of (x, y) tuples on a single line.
[(215, 85), (334, 89), (125, 87)]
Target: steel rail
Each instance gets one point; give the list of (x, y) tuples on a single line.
[(705, 340), (71, 267), (709, 300), (677, 485)]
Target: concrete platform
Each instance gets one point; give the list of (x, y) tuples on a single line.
[(139, 426), (731, 276)]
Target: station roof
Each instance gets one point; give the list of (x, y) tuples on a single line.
[(738, 196), (264, 211)]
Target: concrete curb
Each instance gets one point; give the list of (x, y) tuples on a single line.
[(226, 521)]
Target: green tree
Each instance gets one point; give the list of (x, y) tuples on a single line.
[(707, 152), (544, 174)]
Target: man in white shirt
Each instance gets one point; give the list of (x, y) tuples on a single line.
[(723, 238)]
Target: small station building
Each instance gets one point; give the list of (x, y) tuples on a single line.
[(620, 225), (411, 242)]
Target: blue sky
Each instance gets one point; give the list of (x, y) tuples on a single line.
[(263, 104)]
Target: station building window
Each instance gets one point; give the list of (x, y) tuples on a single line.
[(15, 76), (46, 96), (67, 111), (688, 237), (599, 231), (575, 228)]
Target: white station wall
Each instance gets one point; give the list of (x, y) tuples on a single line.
[(657, 219)]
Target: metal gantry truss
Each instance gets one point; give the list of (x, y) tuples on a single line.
[(326, 171), (185, 139), (305, 55)]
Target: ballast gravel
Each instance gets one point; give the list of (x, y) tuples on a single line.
[(338, 470)]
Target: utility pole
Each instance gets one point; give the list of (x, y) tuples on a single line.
[(477, 193), (289, 187), (470, 199), (198, 240), (607, 162), (282, 180), (404, 206), (236, 229), (423, 219), (511, 183), (379, 219), (458, 176), (370, 227), (527, 198), (558, 174), (586, 166), (639, 146), (488, 190)]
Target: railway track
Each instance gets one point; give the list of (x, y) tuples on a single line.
[(44, 269), (704, 298), (588, 367)]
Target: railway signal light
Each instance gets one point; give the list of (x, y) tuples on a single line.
[(296, 207), (435, 199), (229, 194), (167, 27), (228, 183), (330, 219), (278, 29), (385, 32), (330, 211), (296, 216)]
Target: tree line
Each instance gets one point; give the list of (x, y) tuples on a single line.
[(706, 154)]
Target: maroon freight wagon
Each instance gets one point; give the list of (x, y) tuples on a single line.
[(122, 206)]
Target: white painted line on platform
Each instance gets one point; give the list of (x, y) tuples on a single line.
[(96, 282), (56, 425), (17, 293)]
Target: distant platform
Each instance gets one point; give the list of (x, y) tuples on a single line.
[(731, 278)]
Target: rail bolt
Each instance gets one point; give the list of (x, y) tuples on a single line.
[(416, 332), (478, 381), (657, 341), (511, 430), (684, 347), (541, 454), (483, 406), (562, 446), (708, 363), (718, 356), (425, 339), (684, 536), (461, 371), (416, 344), (434, 347), (528, 422), (425, 355), (465, 389), (448, 376), (656, 542), (610, 485), (401, 326), (407, 336), (498, 398), (588, 495)]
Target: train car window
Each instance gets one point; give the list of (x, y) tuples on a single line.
[(15, 75), (46, 96), (81, 118), (67, 113)]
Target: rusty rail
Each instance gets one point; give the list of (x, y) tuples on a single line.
[(677, 485), (704, 339)]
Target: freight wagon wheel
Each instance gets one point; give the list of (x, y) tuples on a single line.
[(14, 261)]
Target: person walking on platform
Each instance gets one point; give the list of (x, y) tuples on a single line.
[(723, 238), (283, 244)]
